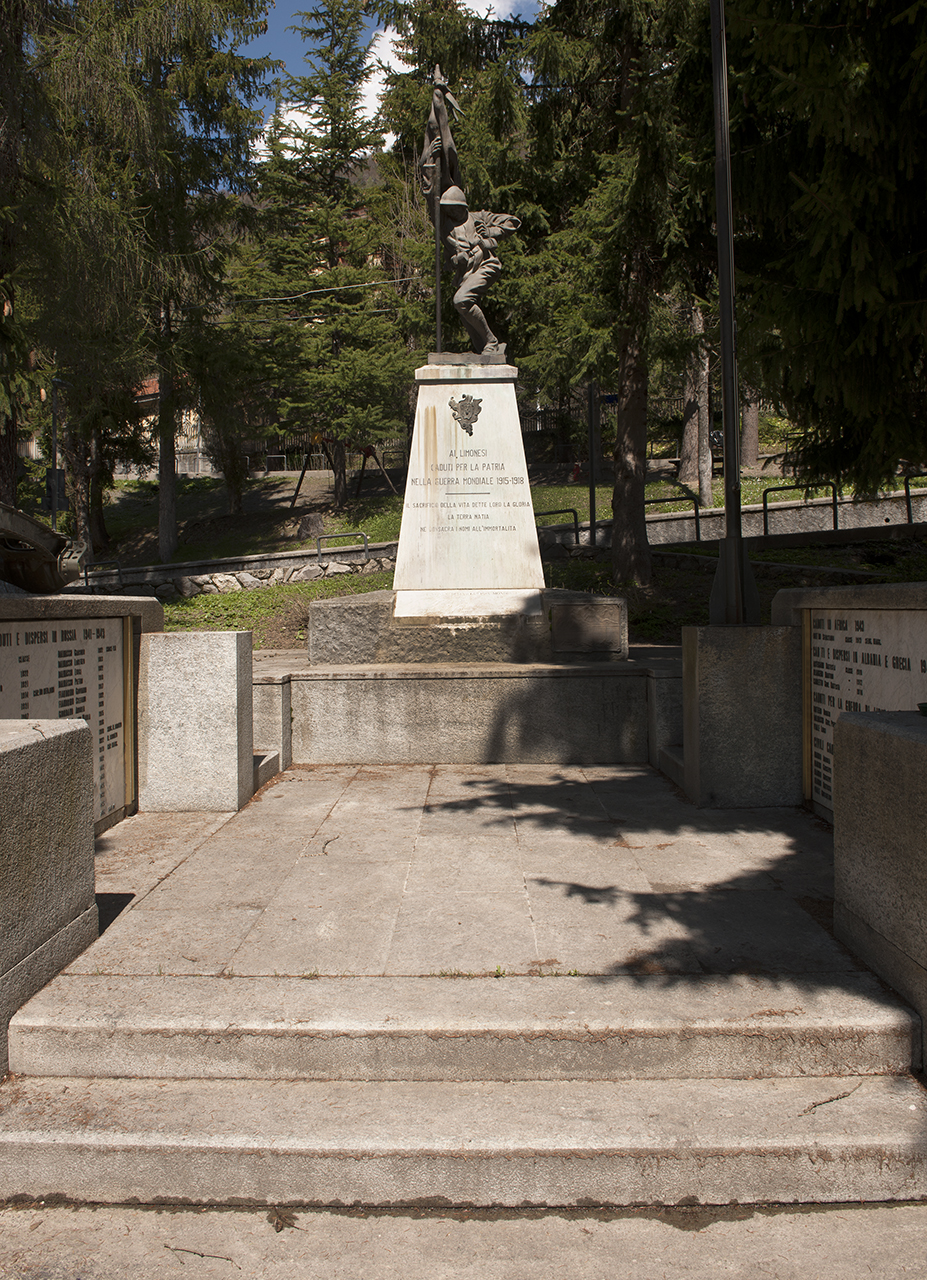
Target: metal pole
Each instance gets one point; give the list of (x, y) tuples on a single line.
[(729, 597), (437, 185), (54, 457), (592, 409)]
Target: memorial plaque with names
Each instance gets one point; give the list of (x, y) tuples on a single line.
[(858, 660), (67, 668)]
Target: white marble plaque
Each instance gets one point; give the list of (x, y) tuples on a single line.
[(467, 520), (71, 668), (860, 660)]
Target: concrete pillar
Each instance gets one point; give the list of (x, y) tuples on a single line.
[(742, 716), (195, 721)]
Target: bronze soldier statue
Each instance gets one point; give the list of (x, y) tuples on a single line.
[(469, 239)]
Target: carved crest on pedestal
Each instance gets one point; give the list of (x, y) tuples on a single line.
[(466, 411)]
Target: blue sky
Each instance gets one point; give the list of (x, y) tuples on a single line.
[(283, 44)]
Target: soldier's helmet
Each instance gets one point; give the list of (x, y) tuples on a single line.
[(453, 198)]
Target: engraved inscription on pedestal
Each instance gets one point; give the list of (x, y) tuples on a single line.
[(859, 660), (74, 668), (468, 520), (468, 493)]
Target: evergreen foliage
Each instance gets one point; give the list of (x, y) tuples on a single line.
[(131, 125), (314, 285), (610, 153), (139, 236), (829, 134)]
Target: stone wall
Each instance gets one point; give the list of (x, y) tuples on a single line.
[(786, 519), (242, 573)]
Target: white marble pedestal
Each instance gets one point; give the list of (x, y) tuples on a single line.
[(468, 547)]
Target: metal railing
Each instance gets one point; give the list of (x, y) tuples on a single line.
[(918, 475), (650, 502), (785, 488), (561, 511), (350, 533), (397, 455), (102, 565)]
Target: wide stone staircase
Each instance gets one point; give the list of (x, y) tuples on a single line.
[(684, 1031)]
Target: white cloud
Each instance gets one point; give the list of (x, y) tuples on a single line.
[(526, 9), (382, 50)]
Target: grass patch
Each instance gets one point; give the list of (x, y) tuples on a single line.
[(553, 497), (680, 497), (277, 616), (378, 515)]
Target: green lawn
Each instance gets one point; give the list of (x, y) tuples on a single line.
[(268, 610)]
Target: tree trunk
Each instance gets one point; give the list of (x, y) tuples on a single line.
[(695, 454), (688, 451), (8, 456), (167, 470), (695, 403), (750, 428), (705, 495), (337, 455), (563, 439), (99, 537), (73, 446), (630, 549), (11, 70), (167, 459)]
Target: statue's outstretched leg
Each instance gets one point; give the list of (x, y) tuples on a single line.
[(466, 300)]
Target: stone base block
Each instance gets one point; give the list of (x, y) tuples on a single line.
[(271, 710), (195, 721), (570, 626), (880, 845), (47, 906), (36, 970), (898, 969), (481, 713), (742, 716)]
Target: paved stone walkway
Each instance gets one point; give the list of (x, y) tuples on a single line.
[(446, 870), (671, 1023), (836, 1242)]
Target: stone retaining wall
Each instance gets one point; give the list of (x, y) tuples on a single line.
[(793, 517), (242, 573)]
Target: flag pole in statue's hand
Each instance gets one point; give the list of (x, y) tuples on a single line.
[(437, 195)]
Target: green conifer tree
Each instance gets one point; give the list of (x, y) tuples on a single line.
[(829, 133), (131, 124), (313, 285)]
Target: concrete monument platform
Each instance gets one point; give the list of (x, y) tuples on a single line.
[(492, 985), (469, 583), (553, 626)]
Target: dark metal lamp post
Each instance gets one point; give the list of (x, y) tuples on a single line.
[(734, 596)]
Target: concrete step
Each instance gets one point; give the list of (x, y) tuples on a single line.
[(525, 1028), (266, 764), (671, 761), (581, 1143)]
